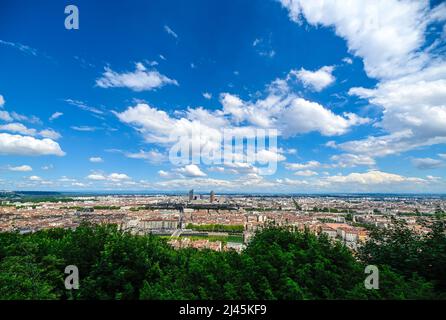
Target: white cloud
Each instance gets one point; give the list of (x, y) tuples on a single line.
[(347, 60), (35, 178), (264, 48), (303, 116), (55, 115), (139, 80), (238, 168), (118, 177), (28, 146), (207, 95), (316, 80), (50, 133), (270, 53), (78, 184), (5, 116), (269, 155), (442, 155), (66, 179), (427, 163), (151, 63), (96, 177), (391, 38), (113, 177), (20, 117), (301, 166), (152, 156), (156, 126), (84, 128), (18, 128), (280, 109), (371, 178), (291, 151), (306, 173), (164, 174), (96, 159), (23, 48), (352, 160), (385, 33), (22, 129), (2, 101), (191, 170), (82, 105), (414, 109), (23, 168), (170, 31), (290, 114)]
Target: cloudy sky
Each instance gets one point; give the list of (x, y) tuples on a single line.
[(356, 93)]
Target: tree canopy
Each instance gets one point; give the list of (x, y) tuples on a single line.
[(277, 264)]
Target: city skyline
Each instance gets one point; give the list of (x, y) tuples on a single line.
[(357, 95)]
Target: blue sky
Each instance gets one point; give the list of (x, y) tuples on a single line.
[(357, 94)]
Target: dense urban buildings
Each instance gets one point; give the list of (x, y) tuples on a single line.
[(221, 222)]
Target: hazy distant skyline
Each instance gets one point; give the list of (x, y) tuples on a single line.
[(356, 93)]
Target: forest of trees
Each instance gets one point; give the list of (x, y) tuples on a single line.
[(277, 264)]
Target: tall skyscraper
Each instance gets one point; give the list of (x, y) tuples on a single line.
[(212, 197), (191, 195)]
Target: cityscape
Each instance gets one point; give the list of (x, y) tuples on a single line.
[(226, 157), (223, 222)]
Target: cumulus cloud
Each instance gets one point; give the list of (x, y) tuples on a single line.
[(113, 177), (207, 95), (385, 33), (96, 177), (22, 129), (303, 116), (139, 80), (23, 168), (164, 174), (5, 116), (301, 166), (414, 109), (28, 146), (281, 112), (291, 114), (50, 133), (347, 60), (18, 128), (191, 170), (152, 156), (20, 117), (372, 177), (96, 159), (305, 173), (280, 109), (427, 163), (390, 37), (2, 101), (237, 168), (352, 160), (118, 177), (316, 80)]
